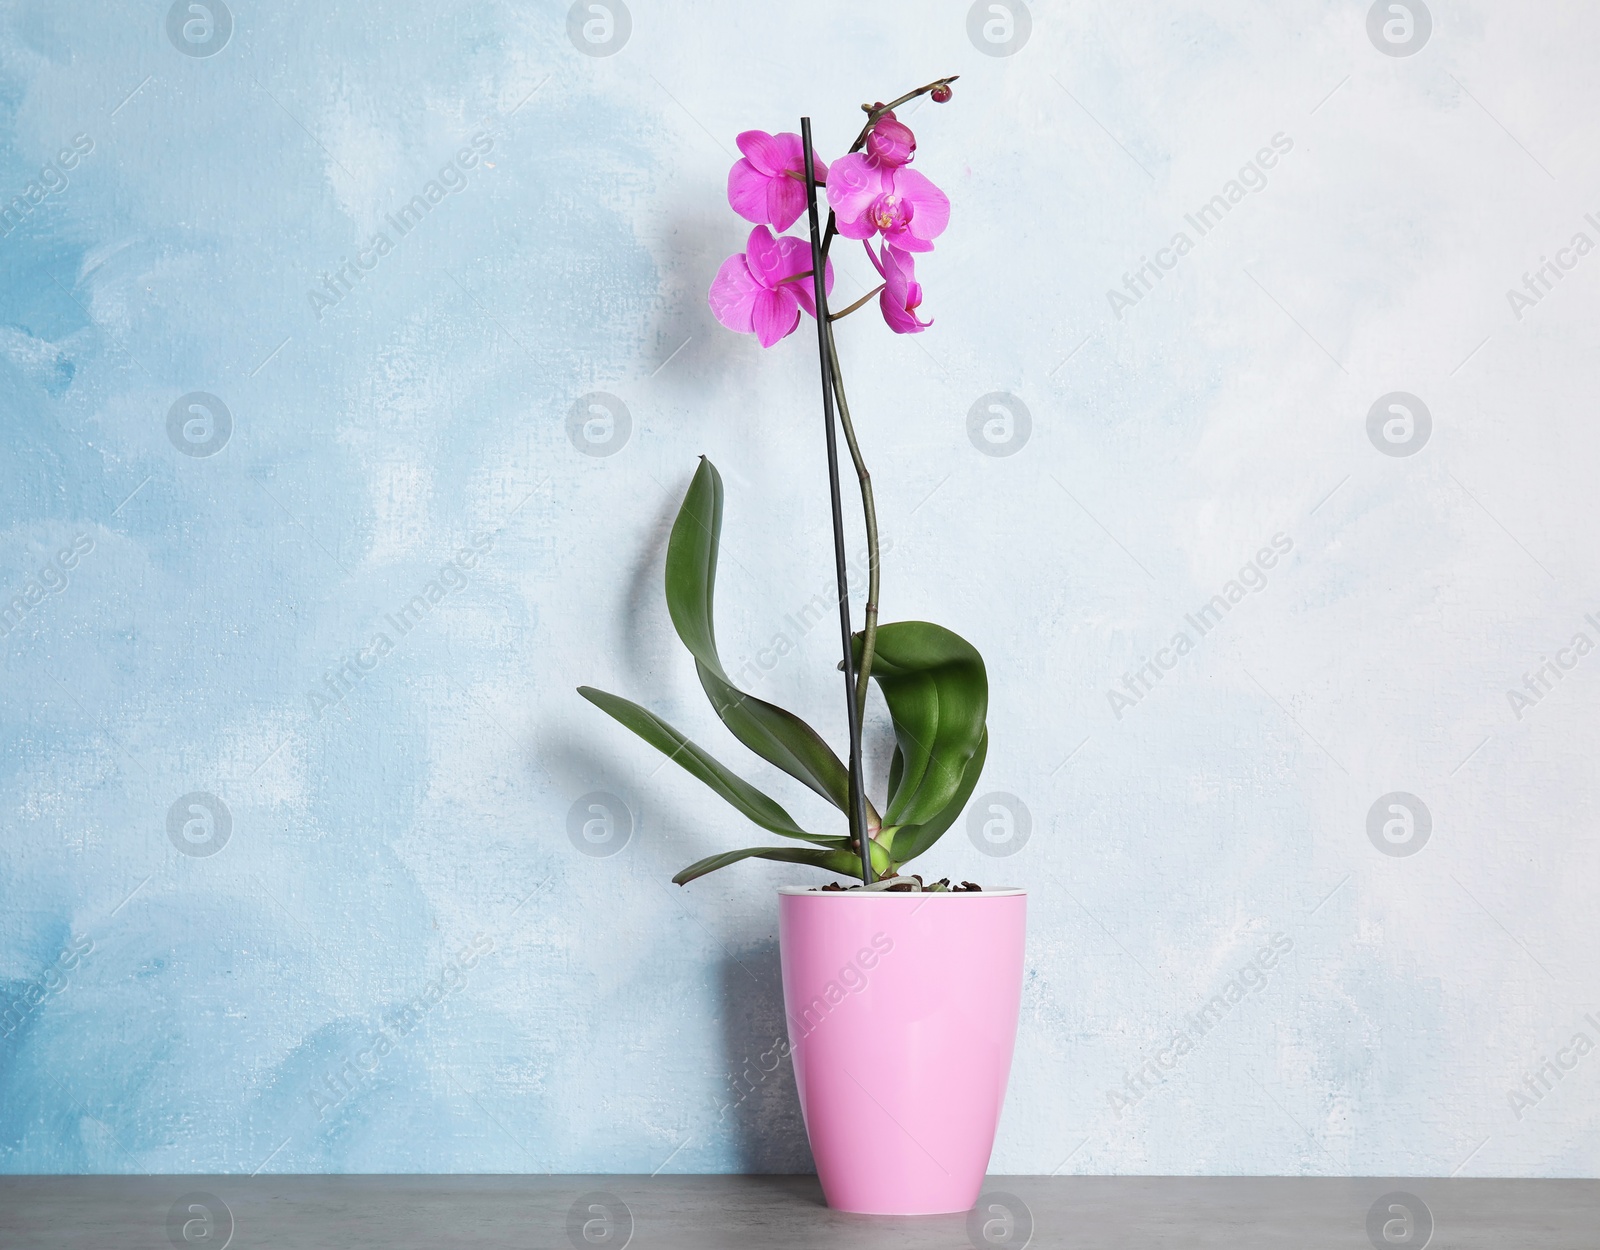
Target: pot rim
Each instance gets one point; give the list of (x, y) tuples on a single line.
[(1002, 891)]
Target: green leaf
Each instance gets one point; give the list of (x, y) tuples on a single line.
[(759, 807), (911, 840), (938, 695), (846, 863), (776, 735)]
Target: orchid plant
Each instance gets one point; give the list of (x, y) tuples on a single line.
[(932, 681)]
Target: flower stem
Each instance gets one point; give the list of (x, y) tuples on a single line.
[(874, 112), (869, 629), (845, 312)]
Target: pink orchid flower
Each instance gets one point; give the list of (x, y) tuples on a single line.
[(759, 291), (902, 293), (768, 185), (870, 198)]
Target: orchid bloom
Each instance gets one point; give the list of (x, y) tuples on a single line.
[(768, 186), (873, 192), (902, 293), (761, 290), (898, 203)]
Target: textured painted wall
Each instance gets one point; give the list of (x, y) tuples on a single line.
[(312, 859)]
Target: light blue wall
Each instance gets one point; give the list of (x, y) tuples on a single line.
[(398, 959)]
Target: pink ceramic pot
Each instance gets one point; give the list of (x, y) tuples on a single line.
[(902, 1017)]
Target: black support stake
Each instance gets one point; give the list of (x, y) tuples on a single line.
[(858, 796)]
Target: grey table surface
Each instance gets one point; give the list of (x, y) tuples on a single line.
[(669, 1212)]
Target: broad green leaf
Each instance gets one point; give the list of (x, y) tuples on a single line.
[(912, 840), (844, 862), (938, 695), (777, 736), (762, 809)]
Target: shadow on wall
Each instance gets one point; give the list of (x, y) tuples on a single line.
[(647, 625), (758, 1107)]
